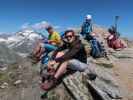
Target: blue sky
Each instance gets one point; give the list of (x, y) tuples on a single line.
[(65, 13)]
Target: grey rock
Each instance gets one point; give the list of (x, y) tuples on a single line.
[(4, 85), (77, 88), (17, 82), (123, 54), (105, 85), (7, 56)]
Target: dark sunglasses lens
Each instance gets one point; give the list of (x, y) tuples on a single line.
[(69, 36)]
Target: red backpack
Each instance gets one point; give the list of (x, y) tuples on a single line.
[(115, 43)]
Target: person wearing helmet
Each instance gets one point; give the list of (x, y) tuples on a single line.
[(86, 28), (49, 44)]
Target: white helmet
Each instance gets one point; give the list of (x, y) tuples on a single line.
[(88, 17)]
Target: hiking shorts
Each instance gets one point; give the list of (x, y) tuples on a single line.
[(48, 47), (77, 65)]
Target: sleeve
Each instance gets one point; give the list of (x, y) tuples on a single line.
[(57, 38), (82, 30), (63, 47), (68, 55), (82, 27), (41, 34), (91, 27)]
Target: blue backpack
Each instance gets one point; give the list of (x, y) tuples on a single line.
[(97, 50), (86, 28)]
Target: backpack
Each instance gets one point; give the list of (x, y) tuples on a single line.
[(86, 28), (115, 43), (97, 50)]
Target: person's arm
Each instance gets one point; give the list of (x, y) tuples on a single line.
[(42, 35), (62, 47), (82, 33), (68, 55), (53, 42), (91, 27), (56, 40)]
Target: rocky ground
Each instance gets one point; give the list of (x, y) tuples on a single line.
[(21, 81), (19, 78), (124, 75)]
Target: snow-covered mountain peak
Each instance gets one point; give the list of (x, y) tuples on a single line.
[(23, 39)]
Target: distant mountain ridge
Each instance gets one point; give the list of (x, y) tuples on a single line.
[(22, 41)]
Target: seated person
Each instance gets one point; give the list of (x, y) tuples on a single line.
[(114, 41), (86, 28), (74, 58), (49, 45)]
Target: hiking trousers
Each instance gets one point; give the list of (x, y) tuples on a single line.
[(48, 47)]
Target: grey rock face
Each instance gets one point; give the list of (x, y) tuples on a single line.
[(7, 56)]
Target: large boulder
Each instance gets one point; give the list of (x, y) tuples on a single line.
[(104, 86)]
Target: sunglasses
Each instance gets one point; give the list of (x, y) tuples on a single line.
[(68, 36)]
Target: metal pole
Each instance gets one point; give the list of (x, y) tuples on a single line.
[(116, 20)]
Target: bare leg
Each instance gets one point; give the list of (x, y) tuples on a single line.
[(37, 48), (61, 70), (59, 54), (49, 84), (62, 67), (40, 52)]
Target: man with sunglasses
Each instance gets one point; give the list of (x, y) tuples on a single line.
[(74, 58)]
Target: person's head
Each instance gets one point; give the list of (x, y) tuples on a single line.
[(111, 30), (88, 17), (69, 36), (50, 29)]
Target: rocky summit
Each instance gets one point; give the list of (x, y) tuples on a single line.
[(19, 78)]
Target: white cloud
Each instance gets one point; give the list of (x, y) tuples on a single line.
[(38, 26), (25, 25), (1, 32), (71, 28), (41, 25), (6, 33), (57, 27)]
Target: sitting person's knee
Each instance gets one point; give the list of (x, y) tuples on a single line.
[(77, 65), (59, 54)]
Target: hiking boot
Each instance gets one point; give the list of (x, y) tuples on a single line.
[(47, 74), (49, 84)]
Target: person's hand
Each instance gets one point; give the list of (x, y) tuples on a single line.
[(52, 42), (51, 63)]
